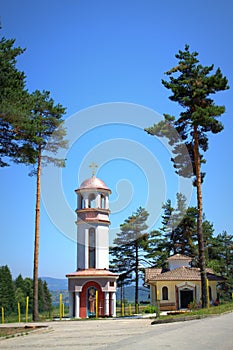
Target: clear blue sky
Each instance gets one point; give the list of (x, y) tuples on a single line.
[(96, 53)]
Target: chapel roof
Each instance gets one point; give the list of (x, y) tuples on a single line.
[(180, 274), (93, 183)]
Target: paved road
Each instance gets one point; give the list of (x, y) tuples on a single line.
[(209, 333)]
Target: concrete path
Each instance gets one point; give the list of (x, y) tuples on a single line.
[(209, 333)]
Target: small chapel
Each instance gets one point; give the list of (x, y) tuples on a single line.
[(177, 286), (92, 287)]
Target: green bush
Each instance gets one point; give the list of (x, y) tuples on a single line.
[(150, 309)]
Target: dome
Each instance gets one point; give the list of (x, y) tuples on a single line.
[(94, 183)]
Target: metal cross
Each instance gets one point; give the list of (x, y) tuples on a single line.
[(93, 167)]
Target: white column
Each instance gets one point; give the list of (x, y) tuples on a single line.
[(71, 306), (77, 305), (98, 201), (106, 202), (86, 202), (86, 247), (106, 304), (113, 304)]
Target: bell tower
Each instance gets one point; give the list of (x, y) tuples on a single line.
[(93, 224), (92, 274)]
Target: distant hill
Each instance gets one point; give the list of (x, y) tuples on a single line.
[(58, 286), (130, 293), (56, 283)]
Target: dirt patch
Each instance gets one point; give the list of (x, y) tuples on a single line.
[(8, 332)]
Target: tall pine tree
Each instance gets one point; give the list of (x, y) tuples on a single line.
[(131, 243), (192, 85)]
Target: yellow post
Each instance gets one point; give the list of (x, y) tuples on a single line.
[(96, 304), (26, 314), (122, 309), (60, 308), (158, 295), (3, 320), (19, 316), (130, 310), (208, 294)]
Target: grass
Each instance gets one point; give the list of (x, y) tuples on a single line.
[(11, 332), (213, 310)]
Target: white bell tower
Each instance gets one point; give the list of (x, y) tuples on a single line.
[(93, 224), (92, 287)]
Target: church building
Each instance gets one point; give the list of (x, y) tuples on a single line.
[(92, 287), (179, 285)]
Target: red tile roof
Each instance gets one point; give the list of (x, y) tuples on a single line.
[(91, 272), (179, 274)]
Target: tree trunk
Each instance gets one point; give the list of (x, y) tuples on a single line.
[(197, 162), (36, 242), (136, 277)]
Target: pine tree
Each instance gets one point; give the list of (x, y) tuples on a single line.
[(192, 85), (31, 131), (44, 135), (158, 248), (7, 291), (13, 100), (40, 136), (131, 244)]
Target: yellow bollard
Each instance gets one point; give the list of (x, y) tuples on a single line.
[(130, 310), (19, 315), (3, 319), (26, 314), (96, 304), (60, 307), (122, 309)]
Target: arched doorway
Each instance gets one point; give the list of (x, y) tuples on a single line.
[(88, 300)]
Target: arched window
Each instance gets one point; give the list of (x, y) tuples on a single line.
[(91, 248), (103, 201), (165, 293), (91, 200), (82, 204)]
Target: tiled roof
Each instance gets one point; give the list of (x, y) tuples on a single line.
[(179, 274), (91, 272), (151, 273)]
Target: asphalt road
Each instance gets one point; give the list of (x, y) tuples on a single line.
[(209, 333)]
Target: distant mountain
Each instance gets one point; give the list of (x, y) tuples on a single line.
[(130, 293), (56, 284)]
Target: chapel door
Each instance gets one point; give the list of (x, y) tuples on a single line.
[(186, 297)]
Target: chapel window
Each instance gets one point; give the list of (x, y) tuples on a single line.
[(165, 293)]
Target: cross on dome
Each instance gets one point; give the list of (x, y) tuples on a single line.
[(93, 167)]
